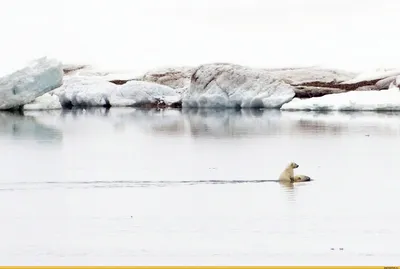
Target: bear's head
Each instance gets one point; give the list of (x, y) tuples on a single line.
[(294, 165)]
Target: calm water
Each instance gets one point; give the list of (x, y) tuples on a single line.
[(131, 187)]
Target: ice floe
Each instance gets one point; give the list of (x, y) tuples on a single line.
[(25, 85)]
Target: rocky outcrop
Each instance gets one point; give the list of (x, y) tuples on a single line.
[(308, 82), (295, 76), (318, 88), (218, 85), (174, 77), (25, 85), (70, 69), (234, 86), (373, 76)]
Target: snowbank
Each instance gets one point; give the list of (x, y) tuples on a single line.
[(138, 93), (23, 86), (84, 92), (354, 100), (95, 92), (45, 102), (228, 85)]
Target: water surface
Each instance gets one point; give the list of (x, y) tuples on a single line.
[(140, 187)]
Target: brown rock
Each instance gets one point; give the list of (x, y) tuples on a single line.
[(174, 77), (310, 91), (318, 88), (69, 68)]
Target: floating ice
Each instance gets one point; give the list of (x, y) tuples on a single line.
[(23, 86)]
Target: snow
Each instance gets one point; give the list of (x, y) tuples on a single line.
[(385, 83), (397, 82), (45, 102), (213, 86), (374, 75), (98, 72), (355, 100), (228, 85), (94, 92), (85, 91), (141, 92), (23, 86)]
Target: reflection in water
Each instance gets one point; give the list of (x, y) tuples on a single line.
[(166, 122), (287, 185), (75, 113), (20, 127), (230, 123), (337, 123), (289, 190), (226, 123), (239, 123)]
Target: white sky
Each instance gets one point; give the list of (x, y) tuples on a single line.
[(144, 34)]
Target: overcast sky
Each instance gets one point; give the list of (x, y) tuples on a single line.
[(144, 34)]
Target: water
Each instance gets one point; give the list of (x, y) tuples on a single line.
[(132, 187)]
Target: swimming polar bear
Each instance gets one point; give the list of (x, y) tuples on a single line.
[(288, 176)]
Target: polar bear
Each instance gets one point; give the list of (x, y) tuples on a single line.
[(288, 176)]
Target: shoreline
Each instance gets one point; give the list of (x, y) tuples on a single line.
[(213, 85)]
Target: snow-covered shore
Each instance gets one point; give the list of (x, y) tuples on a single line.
[(46, 84), (384, 100)]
